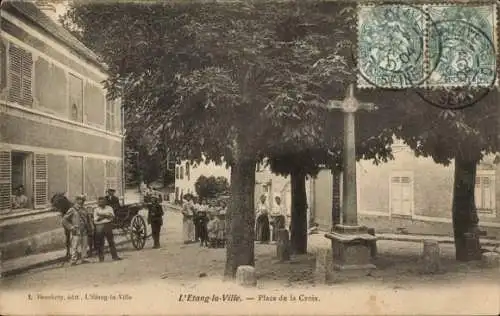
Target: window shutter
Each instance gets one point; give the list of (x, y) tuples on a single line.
[(20, 75), (26, 77), (15, 65), (3, 66), (40, 183), (5, 180)]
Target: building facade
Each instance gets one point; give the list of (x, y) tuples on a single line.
[(411, 192), (58, 130)]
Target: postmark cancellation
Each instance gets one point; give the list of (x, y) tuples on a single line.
[(426, 46)]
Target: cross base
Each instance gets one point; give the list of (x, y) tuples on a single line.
[(352, 248)]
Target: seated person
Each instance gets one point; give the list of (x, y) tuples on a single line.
[(213, 230), (19, 200)]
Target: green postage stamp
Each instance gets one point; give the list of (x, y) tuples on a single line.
[(403, 46)]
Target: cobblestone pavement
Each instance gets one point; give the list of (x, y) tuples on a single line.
[(160, 276)]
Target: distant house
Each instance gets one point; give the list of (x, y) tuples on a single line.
[(58, 131), (186, 175), (411, 192), (266, 183)]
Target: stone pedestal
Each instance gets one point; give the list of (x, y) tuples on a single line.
[(490, 260), (283, 247), (431, 260), (352, 248), (245, 276), (324, 266)]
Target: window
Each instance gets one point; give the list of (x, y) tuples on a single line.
[(484, 193), (23, 180), (401, 194), (181, 172), (111, 176), (112, 117), (20, 76), (177, 172), (76, 98)]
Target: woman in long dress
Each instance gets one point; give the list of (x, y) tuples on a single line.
[(187, 219), (262, 223)]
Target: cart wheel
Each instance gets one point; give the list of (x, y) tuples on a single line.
[(138, 232)]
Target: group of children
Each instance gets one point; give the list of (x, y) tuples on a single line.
[(208, 219)]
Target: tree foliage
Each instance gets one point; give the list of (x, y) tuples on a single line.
[(211, 187), (238, 82)]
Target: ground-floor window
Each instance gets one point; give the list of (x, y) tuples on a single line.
[(23, 180), (401, 193), (484, 192)]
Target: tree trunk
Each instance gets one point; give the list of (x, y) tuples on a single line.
[(336, 210), (299, 213), (464, 210), (240, 218)]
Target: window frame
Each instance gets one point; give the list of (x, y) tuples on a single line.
[(400, 175), (491, 176), (80, 108), (111, 116)]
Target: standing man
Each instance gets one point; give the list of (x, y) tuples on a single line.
[(103, 217), (112, 200), (155, 219), (76, 221)]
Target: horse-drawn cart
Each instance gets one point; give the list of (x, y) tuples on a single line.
[(130, 220)]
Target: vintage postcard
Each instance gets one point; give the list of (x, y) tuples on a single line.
[(264, 157)]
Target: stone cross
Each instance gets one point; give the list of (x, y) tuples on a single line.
[(349, 189)]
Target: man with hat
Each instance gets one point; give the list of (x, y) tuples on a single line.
[(155, 219), (112, 200), (103, 220), (76, 221)]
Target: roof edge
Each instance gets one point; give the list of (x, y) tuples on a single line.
[(14, 7)]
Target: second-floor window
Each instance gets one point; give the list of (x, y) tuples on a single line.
[(111, 115), (20, 76), (76, 98)]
